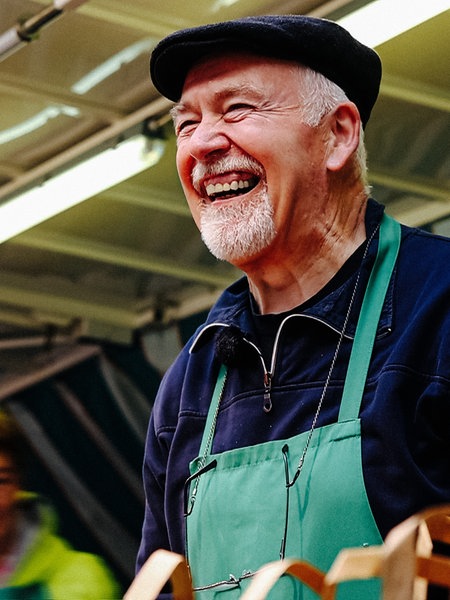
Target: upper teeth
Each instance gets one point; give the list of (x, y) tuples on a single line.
[(226, 187)]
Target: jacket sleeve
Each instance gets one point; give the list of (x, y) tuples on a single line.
[(154, 529)]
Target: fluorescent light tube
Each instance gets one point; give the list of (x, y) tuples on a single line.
[(112, 65), (36, 121), (382, 20), (82, 181)]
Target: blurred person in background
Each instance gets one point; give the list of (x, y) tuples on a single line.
[(35, 563)]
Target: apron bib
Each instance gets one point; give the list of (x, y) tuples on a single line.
[(237, 520)]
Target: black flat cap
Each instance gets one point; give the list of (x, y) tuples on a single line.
[(320, 44)]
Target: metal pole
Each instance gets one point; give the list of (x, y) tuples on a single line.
[(24, 32)]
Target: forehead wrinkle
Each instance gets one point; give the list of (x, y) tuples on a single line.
[(246, 89)]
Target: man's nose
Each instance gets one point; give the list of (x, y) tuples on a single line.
[(208, 138)]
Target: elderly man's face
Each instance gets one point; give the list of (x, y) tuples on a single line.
[(249, 167)]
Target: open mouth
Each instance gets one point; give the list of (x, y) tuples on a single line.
[(230, 189)]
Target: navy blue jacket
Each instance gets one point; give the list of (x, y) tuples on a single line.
[(405, 414)]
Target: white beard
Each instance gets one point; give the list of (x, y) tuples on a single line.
[(243, 226), (239, 229)]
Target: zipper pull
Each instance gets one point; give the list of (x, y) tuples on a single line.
[(267, 403)]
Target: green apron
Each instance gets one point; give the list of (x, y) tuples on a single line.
[(238, 519)]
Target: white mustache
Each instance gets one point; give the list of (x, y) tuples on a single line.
[(223, 165)]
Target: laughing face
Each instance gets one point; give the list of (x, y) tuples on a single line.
[(244, 156)]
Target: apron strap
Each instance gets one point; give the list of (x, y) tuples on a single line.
[(210, 425), (355, 381)]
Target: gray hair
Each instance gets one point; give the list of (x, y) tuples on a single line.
[(319, 96)]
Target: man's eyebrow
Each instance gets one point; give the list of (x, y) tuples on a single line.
[(236, 90), (177, 109)]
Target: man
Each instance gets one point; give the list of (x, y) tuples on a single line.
[(311, 411), (35, 563)]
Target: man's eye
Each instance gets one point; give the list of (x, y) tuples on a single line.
[(241, 106), (238, 111), (184, 127)]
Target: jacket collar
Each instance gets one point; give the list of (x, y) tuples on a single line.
[(329, 306)]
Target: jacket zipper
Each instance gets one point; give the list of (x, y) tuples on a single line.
[(268, 373)]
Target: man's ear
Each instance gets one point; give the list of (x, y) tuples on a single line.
[(345, 127)]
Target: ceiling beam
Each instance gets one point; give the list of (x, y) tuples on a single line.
[(419, 186), (414, 92), (17, 290), (120, 256), (413, 211), (39, 91), (34, 305), (137, 15), (150, 197)]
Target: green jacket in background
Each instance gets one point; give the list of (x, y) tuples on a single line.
[(50, 569)]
